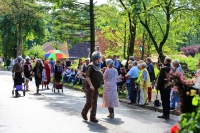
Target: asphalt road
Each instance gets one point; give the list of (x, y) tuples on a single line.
[(60, 113)]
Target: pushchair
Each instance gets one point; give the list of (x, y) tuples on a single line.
[(19, 86), (57, 85)]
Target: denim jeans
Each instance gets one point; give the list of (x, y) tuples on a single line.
[(70, 79), (174, 98), (65, 79), (128, 89), (75, 81)]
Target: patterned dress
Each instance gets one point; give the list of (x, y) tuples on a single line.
[(110, 95)]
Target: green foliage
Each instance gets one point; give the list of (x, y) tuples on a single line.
[(36, 51), (75, 63), (25, 18), (190, 122)]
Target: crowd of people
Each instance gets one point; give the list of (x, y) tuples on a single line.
[(139, 79)]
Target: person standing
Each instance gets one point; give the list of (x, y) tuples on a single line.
[(52, 63), (47, 74), (116, 64), (27, 67), (84, 70), (1, 62), (80, 63), (144, 82), (104, 63), (162, 85), (94, 78), (8, 63), (58, 71), (176, 68), (110, 95), (68, 63), (128, 82), (133, 75), (38, 74), (151, 72)]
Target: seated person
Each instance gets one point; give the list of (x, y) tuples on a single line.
[(78, 76), (72, 75), (66, 74), (122, 77)]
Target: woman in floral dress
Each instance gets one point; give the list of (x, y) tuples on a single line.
[(110, 95)]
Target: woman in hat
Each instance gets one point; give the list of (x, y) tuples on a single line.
[(110, 96)]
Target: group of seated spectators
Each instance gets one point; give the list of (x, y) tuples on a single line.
[(76, 75)]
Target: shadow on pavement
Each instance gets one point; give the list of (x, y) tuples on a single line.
[(114, 121), (94, 127)]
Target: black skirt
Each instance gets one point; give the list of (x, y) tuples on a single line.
[(58, 76), (18, 80), (38, 81)]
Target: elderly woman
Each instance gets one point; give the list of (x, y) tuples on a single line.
[(58, 71), (110, 96), (94, 78), (47, 70), (38, 69), (144, 82), (17, 72), (27, 67)]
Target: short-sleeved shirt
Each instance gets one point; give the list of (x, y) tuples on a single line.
[(96, 77), (134, 72)]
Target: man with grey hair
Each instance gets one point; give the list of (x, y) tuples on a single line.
[(176, 67), (162, 85), (132, 58), (94, 79), (133, 75)]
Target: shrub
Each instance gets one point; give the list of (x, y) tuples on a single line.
[(191, 50), (36, 51)]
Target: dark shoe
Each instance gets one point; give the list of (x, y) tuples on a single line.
[(84, 117), (111, 115), (164, 117), (94, 120), (172, 108)]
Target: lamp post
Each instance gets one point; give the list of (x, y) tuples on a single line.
[(92, 28), (141, 51)]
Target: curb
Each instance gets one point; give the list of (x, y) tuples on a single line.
[(149, 107)]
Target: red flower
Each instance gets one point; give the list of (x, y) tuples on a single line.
[(174, 129)]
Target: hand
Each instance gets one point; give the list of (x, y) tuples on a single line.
[(92, 88), (144, 84)]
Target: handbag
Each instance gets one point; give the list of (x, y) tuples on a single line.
[(156, 102)]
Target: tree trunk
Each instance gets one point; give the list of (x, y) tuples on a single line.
[(143, 46), (125, 41), (20, 38)]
